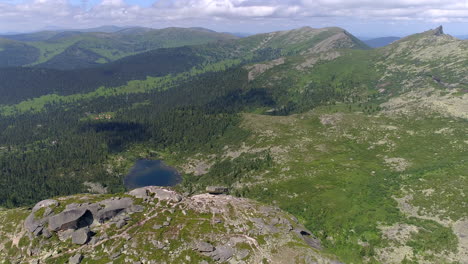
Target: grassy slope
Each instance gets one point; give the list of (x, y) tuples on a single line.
[(340, 177), (381, 186)]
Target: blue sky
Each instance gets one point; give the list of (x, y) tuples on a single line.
[(361, 17)]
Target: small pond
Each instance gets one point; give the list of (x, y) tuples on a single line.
[(151, 172)]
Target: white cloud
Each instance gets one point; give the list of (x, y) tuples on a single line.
[(35, 14)]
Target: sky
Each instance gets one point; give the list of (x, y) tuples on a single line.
[(365, 18)]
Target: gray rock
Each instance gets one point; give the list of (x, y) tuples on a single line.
[(46, 233), (204, 247), (112, 208), (157, 227), (34, 225), (121, 223), (154, 192), (44, 203), (48, 211), (71, 219), (136, 209), (38, 231), (76, 259), (243, 253), (115, 255), (94, 240), (142, 193), (263, 227), (80, 236), (32, 251), (72, 206), (307, 236), (166, 223), (158, 244), (222, 253), (216, 189)]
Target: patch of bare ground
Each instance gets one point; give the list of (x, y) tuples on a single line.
[(310, 61), (259, 68), (459, 228), (336, 41), (397, 235), (450, 104), (331, 119), (397, 164), (197, 167)]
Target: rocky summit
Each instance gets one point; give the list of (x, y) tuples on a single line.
[(155, 225)]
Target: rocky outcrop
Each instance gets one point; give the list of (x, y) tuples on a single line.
[(216, 189), (71, 219), (45, 204), (204, 247), (113, 207), (154, 192), (157, 223), (438, 31), (76, 219), (222, 253)]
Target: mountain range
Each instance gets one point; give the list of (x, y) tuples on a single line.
[(85, 48), (331, 152)]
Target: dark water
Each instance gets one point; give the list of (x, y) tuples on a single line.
[(151, 172)]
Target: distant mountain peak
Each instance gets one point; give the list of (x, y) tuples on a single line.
[(438, 31)]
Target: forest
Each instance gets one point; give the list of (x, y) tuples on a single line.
[(51, 152)]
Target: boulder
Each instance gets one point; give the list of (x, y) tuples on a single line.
[(204, 247), (142, 193), (217, 189), (44, 203), (112, 208), (156, 193), (65, 234), (80, 236), (156, 227), (121, 223), (243, 253), (75, 259), (222, 253), (307, 236), (71, 219), (158, 244), (34, 225)]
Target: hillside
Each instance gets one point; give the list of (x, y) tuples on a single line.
[(366, 147), (161, 62), (77, 49), (151, 224), (14, 53)]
